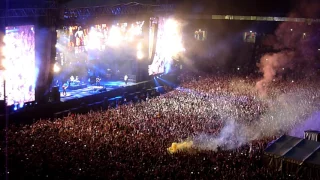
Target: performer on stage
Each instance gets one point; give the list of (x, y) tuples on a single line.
[(79, 35), (76, 81), (98, 79), (64, 89), (71, 79), (126, 79)]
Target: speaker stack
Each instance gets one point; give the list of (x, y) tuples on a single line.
[(55, 94)]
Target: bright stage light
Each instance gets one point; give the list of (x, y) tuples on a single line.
[(169, 46), (139, 55), (139, 46), (115, 36), (20, 64), (4, 64), (171, 25), (172, 43), (56, 68), (94, 41)]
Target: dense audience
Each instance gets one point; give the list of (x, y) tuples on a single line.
[(131, 140)]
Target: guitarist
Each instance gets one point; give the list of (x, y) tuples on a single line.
[(98, 79), (64, 89), (126, 79)]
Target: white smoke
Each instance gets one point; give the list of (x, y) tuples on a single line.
[(230, 137), (282, 115)]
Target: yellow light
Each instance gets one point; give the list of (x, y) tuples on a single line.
[(139, 55), (56, 68), (139, 46)]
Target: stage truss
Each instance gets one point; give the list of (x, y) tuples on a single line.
[(86, 12), (130, 9)]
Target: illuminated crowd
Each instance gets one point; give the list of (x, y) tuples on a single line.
[(229, 124)]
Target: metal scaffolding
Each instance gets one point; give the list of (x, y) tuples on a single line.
[(130, 9), (27, 12), (126, 9)]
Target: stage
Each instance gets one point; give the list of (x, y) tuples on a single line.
[(89, 90)]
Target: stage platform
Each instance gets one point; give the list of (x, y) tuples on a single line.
[(76, 87), (89, 90)]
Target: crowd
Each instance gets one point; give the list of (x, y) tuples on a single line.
[(224, 116)]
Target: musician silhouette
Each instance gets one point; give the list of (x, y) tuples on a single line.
[(126, 79), (98, 79), (64, 88)]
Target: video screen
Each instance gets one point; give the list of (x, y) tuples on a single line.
[(168, 45), (20, 64), (104, 51)]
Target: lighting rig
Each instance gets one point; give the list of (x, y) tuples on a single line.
[(122, 9)]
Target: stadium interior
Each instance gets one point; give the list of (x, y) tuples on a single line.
[(159, 89)]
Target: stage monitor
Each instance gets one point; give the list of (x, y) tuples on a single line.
[(20, 64), (101, 51), (167, 44)]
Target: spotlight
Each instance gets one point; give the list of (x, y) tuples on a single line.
[(139, 46), (56, 68), (139, 55)]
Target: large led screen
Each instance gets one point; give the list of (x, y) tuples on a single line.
[(168, 44), (102, 50), (20, 74)]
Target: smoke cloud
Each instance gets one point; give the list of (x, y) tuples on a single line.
[(230, 137), (271, 65), (285, 114), (294, 45)]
